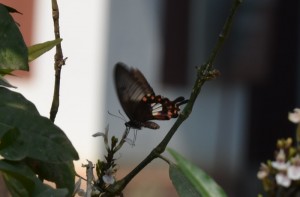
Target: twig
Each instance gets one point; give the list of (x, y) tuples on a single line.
[(165, 159), (59, 61), (204, 73), (90, 177)]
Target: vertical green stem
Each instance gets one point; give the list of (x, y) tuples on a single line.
[(59, 62), (298, 136)]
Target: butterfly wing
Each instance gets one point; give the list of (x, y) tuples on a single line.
[(131, 87), (162, 108), (139, 100)]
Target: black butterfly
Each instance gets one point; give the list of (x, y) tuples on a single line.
[(139, 100)]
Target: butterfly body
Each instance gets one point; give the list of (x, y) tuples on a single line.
[(139, 100)]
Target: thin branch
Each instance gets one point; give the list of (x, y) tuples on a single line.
[(59, 61), (90, 177), (204, 73), (224, 33), (165, 159)]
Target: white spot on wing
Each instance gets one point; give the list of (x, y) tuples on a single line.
[(156, 108)]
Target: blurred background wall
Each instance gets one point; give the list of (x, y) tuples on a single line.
[(237, 118)]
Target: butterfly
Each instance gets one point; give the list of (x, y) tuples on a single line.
[(139, 100)]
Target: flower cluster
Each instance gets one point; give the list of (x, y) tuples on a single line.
[(105, 169), (283, 174), (285, 168)]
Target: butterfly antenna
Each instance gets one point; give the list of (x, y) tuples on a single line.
[(182, 102), (122, 117)]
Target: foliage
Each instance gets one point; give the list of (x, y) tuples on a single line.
[(189, 180), (31, 144)]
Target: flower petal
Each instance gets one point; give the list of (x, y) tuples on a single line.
[(283, 180), (293, 172), (108, 179), (294, 117)]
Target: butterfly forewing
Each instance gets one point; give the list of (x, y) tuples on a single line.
[(131, 87)]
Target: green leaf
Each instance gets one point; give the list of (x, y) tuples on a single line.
[(9, 136), (4, 129), (203, 183), (21, 181), (5, 72), (10, 9), (37, 50), (39, 137), (16, 100), (44, 140), (13, 51), (183, 186), (62, 174), (27, 136), (13, 146)]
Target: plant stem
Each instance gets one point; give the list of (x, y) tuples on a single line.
[(204, 73), (298, 136), (59, 61)]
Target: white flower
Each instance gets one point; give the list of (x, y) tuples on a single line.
[(109, 178), (294, 117), (293, 171), (263, 171), (283, 180), (280, 163)]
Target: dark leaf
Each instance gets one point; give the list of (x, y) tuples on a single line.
[(41, 139), (12, 10), (62, 174), (13, 51), (16, 100), (11, 146), (183, 186), (21, 181), (203, 183)]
